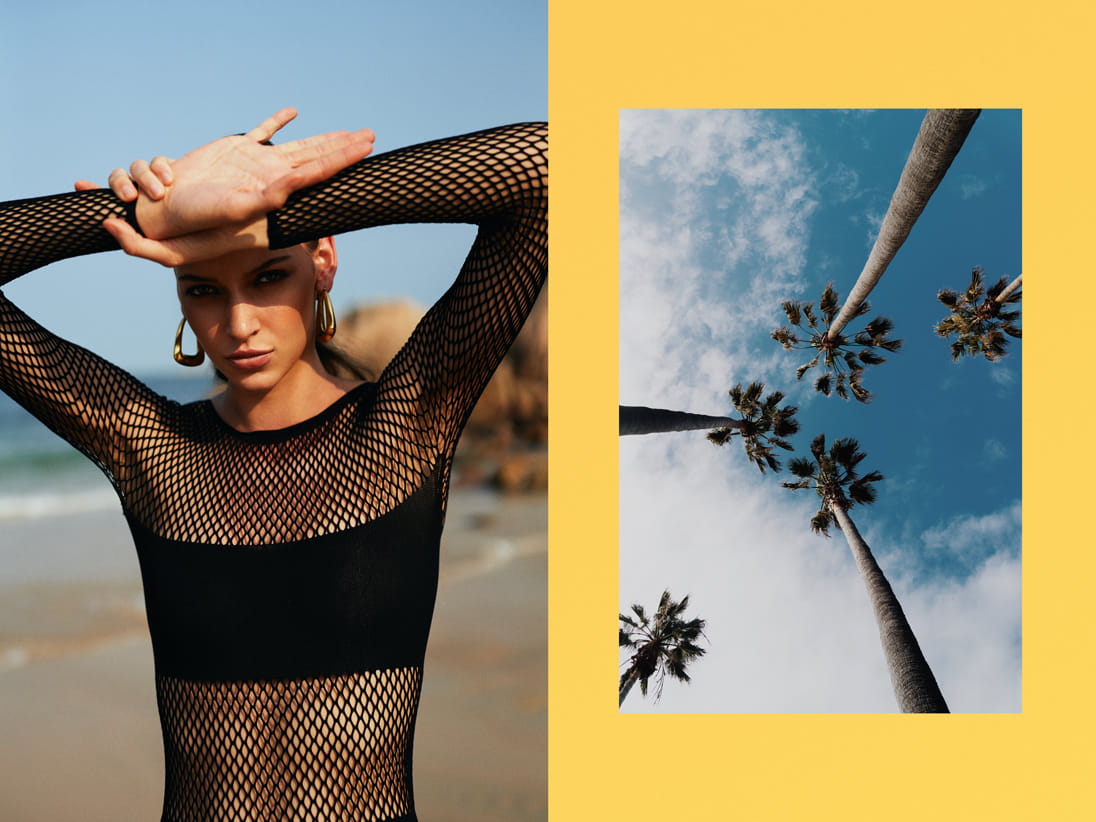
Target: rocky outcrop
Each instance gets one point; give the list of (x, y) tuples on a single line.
[(506, 439)]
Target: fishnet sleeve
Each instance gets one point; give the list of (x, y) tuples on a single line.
[(92, 404), (497, 179), (41, 230)]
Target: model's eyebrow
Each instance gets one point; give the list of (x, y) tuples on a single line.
[(194, 278), (268, 263)]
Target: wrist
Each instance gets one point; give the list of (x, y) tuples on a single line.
[(145, 215)]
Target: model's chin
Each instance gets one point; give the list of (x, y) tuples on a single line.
[(250, 375)]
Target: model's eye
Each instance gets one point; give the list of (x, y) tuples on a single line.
[(200, 291), (271, 276)]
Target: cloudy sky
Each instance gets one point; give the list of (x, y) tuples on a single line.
[(724, 214)]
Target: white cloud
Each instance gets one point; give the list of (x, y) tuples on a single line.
[(874, 221), (709, 200), (844, 183), (1002, 375), (995, 450), (971, 538), (971, 186)]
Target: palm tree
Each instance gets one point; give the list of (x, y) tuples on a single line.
[(763, 423), (942, 134), (639, 419), (843, 359), (666, 644), (980, 325), (833, 475)]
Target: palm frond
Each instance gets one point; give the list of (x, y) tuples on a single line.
[(862, 492), (812, 318), (792, 311), (801, 467), (846, 453), (786, 337), (948, 297), (828, 303), (721, 436), (890, 345), (869, 357), (821, 521)]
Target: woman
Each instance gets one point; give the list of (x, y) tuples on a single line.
[(287, 530)]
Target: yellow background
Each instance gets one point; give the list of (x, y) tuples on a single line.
[(605, 56)]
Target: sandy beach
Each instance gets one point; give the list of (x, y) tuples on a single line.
[(81, 738)]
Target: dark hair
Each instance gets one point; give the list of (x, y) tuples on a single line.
[(335, 360), (338, 362)]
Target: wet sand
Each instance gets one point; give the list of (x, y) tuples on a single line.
[(80, 737)]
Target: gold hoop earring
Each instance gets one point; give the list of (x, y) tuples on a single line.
[(189, 360), (325, 317)]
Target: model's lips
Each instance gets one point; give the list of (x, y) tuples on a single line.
[(250, 360)]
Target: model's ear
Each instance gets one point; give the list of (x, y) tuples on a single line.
[(326, 261)]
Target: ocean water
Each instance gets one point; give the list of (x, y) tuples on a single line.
[(43, 476)]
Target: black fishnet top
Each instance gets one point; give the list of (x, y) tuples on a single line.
[(290, 575)]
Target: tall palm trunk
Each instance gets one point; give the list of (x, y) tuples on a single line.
[(626, 685), (939, 140), (915, 687), (1004, 295), (639, 419)]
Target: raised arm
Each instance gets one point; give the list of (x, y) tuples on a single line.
[(95, 406), (497, 179), (216, 203)]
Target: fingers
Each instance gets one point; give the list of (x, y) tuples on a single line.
[(271, 125), (325, 160), (311, 148), (122, 185), (137, 246), (161, 167), (152, 178), (85, 185), (189, 248)]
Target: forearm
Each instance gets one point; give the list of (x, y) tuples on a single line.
[(488, 176), (39, 231), (497, 179)]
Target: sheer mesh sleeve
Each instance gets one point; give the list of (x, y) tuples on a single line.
[(496, 179), (39, 231), (86, 400)]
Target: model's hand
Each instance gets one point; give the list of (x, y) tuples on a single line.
[(151, 177), (189, 248), (236, 180)]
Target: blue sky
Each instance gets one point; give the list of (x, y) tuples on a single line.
[(90, 86), (723, 215)]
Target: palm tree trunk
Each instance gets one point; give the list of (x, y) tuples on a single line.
[(938, 142), (638, 419), (1011, 287), (915, 687), (627, 683)]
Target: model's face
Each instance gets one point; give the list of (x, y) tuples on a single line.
[(253, 311)]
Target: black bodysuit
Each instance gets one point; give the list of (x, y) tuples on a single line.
[(290, 575)]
